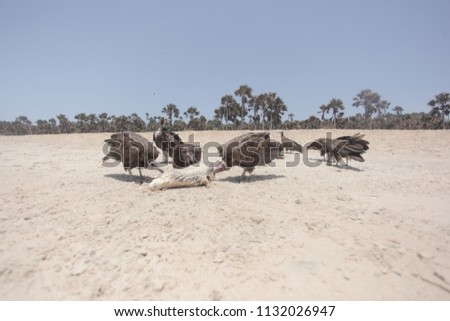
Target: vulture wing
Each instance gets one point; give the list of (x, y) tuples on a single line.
[(245, 150), (290, 144)]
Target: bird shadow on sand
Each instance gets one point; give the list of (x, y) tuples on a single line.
[(348, 168), (126, 178), (249, 179), (344, 167)]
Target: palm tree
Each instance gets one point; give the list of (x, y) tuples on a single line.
[(270, 107), (171, 111), (259, 104), (137, 124), (103, 122), (112, 121), (245, 92), (312, 122), (335, 106), (398, 110), (92, 122), (65, 125), (199, 123), (289, 123), (369, 100), (382, 107), (42, 126), (192, 113), (441, 105), (231, 107), (213, 124), (82, 120), (323, 110), (179, 124), (219, 114), (152, 122), (52, 126), (120, 123), (22, 126), (279, 109), (275, 108)]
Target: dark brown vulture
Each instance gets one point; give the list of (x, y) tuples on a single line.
[(348, 147), (290, 144), (183, 154), (132, 150), (250, 150), (166, 140)]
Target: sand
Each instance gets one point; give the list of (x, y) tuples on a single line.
[(71, 229)]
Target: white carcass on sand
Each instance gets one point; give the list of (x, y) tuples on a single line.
[(186, 177)]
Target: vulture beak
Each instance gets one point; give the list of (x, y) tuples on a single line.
[(190, 158), (219, 167), (154, 165)]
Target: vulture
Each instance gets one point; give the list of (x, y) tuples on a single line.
[(290, 144), (250, 150), (132, 150), (183, 154), (350, 147)]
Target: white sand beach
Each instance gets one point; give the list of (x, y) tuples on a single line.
[(71, 229)]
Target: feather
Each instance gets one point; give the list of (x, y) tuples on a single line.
[(182, 154), (250, 150), (290, 144), (186, 177), (132, 149), (349, 147)]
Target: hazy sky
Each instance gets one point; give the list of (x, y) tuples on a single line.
[(120, 57)]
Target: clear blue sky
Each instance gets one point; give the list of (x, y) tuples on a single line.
[(120, 57)]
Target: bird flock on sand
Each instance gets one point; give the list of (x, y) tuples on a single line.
[(247, 151)]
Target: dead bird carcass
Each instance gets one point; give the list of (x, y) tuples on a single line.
[(199, 175)]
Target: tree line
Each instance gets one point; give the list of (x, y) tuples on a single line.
[(243, 110)]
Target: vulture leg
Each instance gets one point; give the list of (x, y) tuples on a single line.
[(140, 175), (246, 170), (165, 157), (243, 175), (131, 175)]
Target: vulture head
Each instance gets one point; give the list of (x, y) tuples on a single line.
[(183, 154), (290, 144)]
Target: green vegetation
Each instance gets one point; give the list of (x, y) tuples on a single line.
[(247, 111)]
